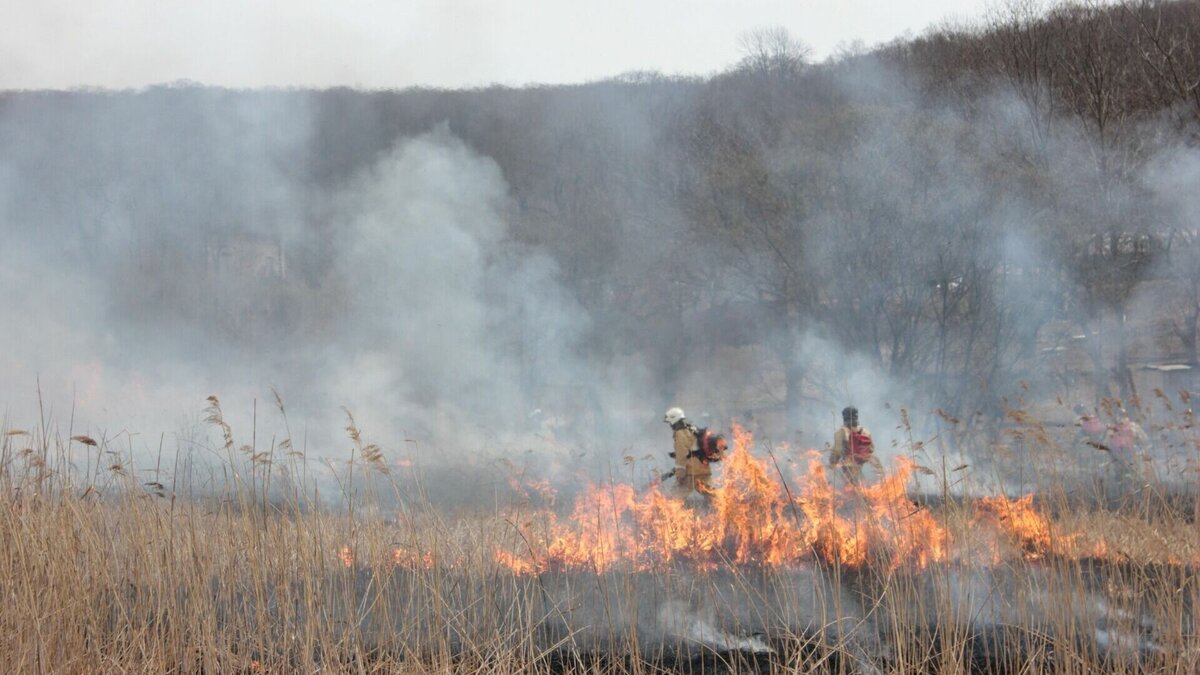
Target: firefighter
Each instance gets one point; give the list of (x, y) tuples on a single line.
[(1126, 441), (691, 474), (853, 447), (1090, 429)]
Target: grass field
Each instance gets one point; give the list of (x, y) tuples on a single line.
[(784, 571)]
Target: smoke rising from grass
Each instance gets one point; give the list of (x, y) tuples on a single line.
[(166, 245), (158, 253), (440, 305)]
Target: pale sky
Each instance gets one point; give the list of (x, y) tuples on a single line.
[(400, 43)]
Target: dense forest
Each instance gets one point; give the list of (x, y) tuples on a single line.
[(956, 215)]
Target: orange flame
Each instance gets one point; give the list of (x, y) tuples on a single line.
[(413, 560), (1022, 522), (753, 519), (399, 557), (759, 516)]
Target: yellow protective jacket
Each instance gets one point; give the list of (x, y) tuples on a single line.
[(685, 444)]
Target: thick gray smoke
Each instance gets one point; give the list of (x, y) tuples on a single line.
[(154, 256), (166, 245), (112, 223), (446, 323), (945, 268)]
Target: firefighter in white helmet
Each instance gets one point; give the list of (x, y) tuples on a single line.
[(691, 474)]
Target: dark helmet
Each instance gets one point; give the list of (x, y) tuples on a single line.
[(850, 415)]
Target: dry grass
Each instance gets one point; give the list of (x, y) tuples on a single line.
[(103, 573)]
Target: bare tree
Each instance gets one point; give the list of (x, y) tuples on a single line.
[(1020, 50), (772, 51), (1166, 38)]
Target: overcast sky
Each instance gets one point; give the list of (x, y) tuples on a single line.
[(400, 43)]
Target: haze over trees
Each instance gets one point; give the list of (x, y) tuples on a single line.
[(954, 214)]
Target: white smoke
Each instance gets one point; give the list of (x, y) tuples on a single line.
[(676, 619), (445, 325)]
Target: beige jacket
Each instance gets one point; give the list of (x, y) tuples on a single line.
[(685, 444)]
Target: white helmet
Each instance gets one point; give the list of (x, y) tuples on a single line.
[(673, 416)]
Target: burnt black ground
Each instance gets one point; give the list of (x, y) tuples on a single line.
[(987, 650), (814, 618)]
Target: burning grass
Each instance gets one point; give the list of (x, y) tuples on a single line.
[(784, 571), (752, 519)]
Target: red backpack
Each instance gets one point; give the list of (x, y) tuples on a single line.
[(1121, 436), (710, 446), (861, 445)]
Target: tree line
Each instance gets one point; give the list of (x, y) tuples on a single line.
[(941, 207)]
